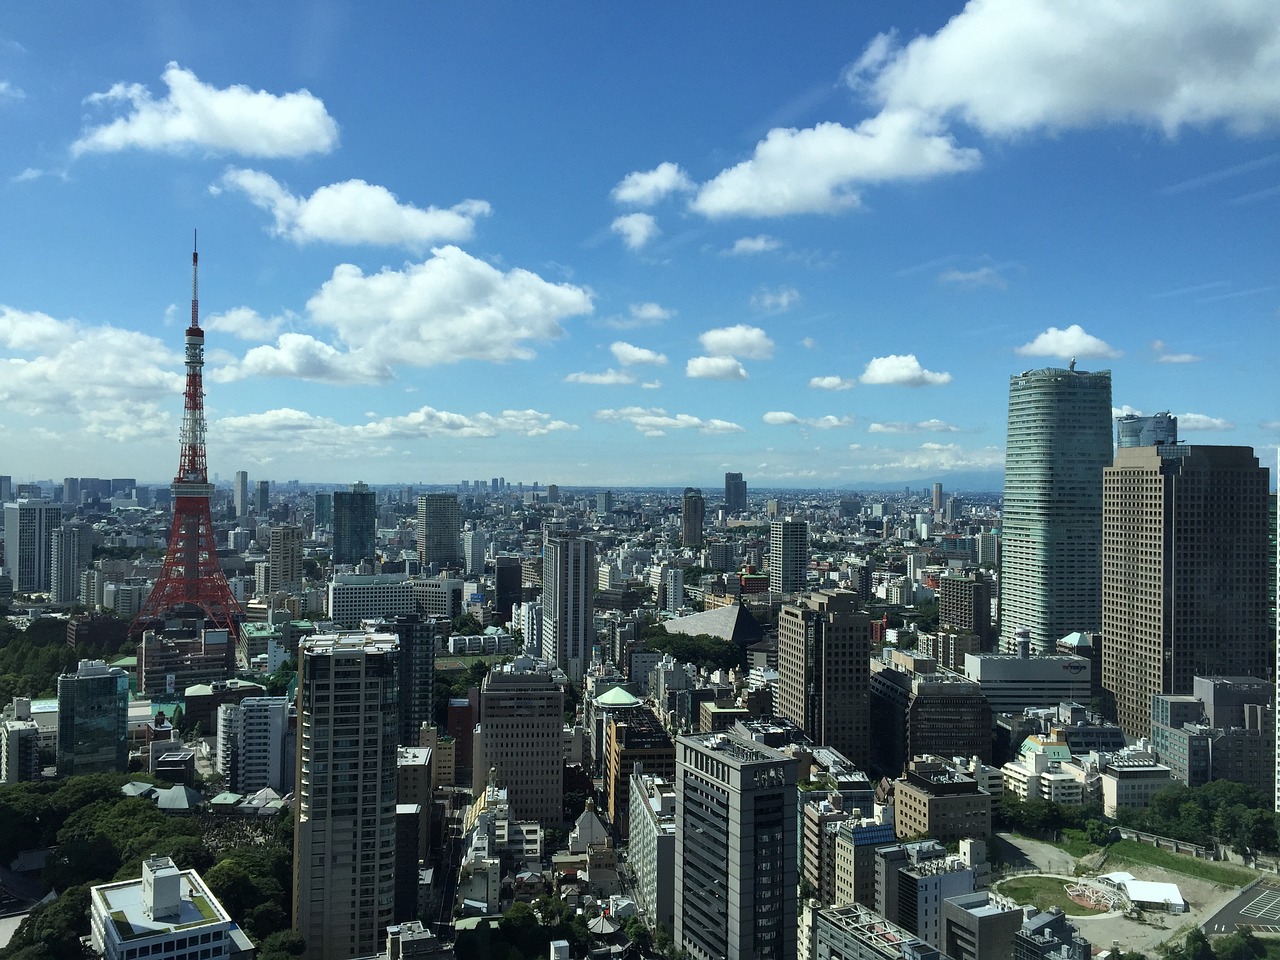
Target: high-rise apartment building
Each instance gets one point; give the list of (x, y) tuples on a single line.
[(419, 637), (735, 493), (256, 747), (735, 886), (29, 528), (240, 493), (937, 497), (439, 527), (93, 719), (693, 514), (788, 555), (284, 556), (568, 591), (824, 651), (519, 738), (355, 524), (964, 603), (345, 832), (71, 554), (1059, 441), (475, 544), (1185, 563)]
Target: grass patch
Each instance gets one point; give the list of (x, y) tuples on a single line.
[(1133, 852), (1075, 843), (1044, 892)]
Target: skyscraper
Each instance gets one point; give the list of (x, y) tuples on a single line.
[(788, 555), (240, 493), (324, 510), (93, 719), (568, 591), (1059, 441), (262, 500), (824, 652), (345, 834), (355, 524), (519, 737), (71, 554), (439, 526), (735, 887), (29, 528), (693, 511), (1133, 430), (735, 493), (1185, 542), (284, 554)]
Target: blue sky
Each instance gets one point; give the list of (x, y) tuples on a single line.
[(584, 244)]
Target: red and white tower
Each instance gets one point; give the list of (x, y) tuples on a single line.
[(191, 581)]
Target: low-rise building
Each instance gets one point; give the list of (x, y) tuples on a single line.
[(935, 800)]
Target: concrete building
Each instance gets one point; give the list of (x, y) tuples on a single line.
[(651, 846), (979, 926), (824, 650), (240, 493), (357, 597), (568, 589), (519, 739), (1158, 430), (30, 524), (71, 554), (964, 604), (735, 878), (636, 737), (262, 499), (20, 749), (788, 555), (855, 847), (355, 523), (1049, 936), (935, 800), (1131, 781), (439, 527), (475, 545), (257, 745), (1059, 441), (167, 914), (1043, 770), (913, 880), (345, 828), (856, 932), (693, 514), (917, 713), (1013, 683), (1185, 552), (735, 493), (93, 718), (284, 556)]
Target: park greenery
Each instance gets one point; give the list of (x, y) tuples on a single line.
[(100, 835), (32, 659), (700, 649)]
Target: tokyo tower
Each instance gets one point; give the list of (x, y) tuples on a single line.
[(191, 581)]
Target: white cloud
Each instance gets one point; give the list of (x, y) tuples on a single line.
[(9, 92), (113, 381), (930, 457), (1162, 356), (775, 301), (760, 243), (715, 368), (644, 188), (924, 426), (301, 356), (1064, 344), (642, 315), (740, 340), (901, 370), (1126, 411), (809, 343), (629, 355), (819, 169), (354, 212), (245, 323), (1200, 421), (609, 378), (636, 229), (970, 279), (786, 418), (831, 383), (196, 115), (1010, 67), (655, 422)]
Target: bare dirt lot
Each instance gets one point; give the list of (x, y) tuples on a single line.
[(1204, 899)]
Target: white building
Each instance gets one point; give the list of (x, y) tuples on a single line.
[(651, 846), (167, 914), (568, 589), (29, 527), (356, 597), (255, 748)]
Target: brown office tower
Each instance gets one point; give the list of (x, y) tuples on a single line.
[(1184, 568)]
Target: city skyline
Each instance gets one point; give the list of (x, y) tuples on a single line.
[(440, 244)]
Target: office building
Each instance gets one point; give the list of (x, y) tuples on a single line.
[(71, 554), (855, 850), (518, 738), (419, 638), (788, 555), (1224, 730), (240, 493), (964, 604), (323, 510), (257, 745), (735, 493), (356, 597), (1158, 430), (1049, 936), (1013, 683), (284, 556), (914, 879), (93, 719), (1059, 441), (854, 932), (916, 713), (824, 650), (166, 914), (1185, 560), (979, 926), (633, 737), (693, 511), (345, 828), (568, 591), (936, 800), (355, 522), (735, 878), (29, 528), (439, 527), (262, 498)]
